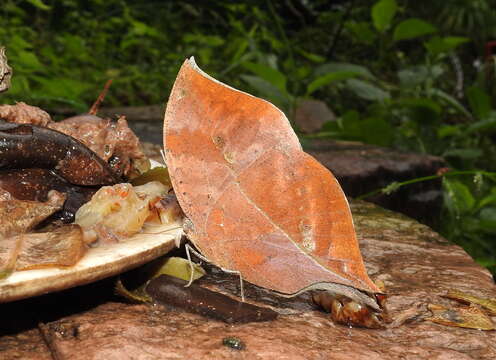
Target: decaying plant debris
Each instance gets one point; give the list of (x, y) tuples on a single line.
[(49, 169), (5, 71)]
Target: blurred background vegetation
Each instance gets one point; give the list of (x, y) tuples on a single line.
[(409, 74)]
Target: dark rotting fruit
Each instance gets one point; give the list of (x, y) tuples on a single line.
[(199, 300), (35, 184), (30, 146)]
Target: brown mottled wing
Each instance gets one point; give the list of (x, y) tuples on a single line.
[(257, 203)]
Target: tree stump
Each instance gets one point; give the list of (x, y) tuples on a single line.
[(362, 168), (417, 266)]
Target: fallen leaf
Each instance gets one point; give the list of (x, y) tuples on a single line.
[(179, 268), (158, 173), (470, 317), (257, 203), (380, 285), (460, 296), (136, 295), (173, 266), (414, 313)]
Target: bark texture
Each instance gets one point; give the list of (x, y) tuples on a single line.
[(417, 266)]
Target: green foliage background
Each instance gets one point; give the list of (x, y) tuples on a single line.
[(397, 73)]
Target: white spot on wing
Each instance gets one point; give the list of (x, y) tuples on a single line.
[(307, 235)]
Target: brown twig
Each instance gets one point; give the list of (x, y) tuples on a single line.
[(96, 105)]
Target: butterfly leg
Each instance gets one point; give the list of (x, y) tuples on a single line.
[(163, 155), (200, 256), (188, 255), (241, 286)]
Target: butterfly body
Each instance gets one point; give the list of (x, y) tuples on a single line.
[(257, 203)]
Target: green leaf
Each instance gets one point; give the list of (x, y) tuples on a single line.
[(452, 42), (383, 13), (328, 79), (487, 262), (62, 87), (132, 285), (488, 219), (344, 67), (301, 73), (445, 131), (235, 62), (371, 130), (267, 90), (75, 48), (488, 200), (413, 76), (488, 124), (412, 28), (238, 48), (136, 295), (351, 115), (28, 61), (141, 29), (17, 43), (39, 4), (209, 40), (348, 124), (450, 100), (269, 74), (159, 173), (213, 40), (366, 90), (457, 197), (479, 101), (180, 268), (467, 153), (311, 56), (331, 126), (417, 75), (77, 105), (437, 45), (420, 110), (376, 131), (362, 32), (424, 103), (20, 86)]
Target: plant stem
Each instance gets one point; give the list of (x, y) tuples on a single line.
[(281, 30), (339, 30), (491, 175)]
